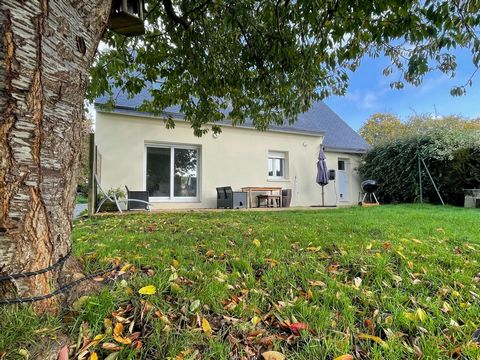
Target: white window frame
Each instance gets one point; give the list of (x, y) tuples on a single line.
[(172, 197), (283, 156)]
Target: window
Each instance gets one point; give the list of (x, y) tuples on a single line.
[(276, 165), (171, 172), (341, 165)]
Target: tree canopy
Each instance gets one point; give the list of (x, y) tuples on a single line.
[(384, 128), (268, 60)]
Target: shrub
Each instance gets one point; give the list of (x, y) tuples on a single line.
[(452, 158)]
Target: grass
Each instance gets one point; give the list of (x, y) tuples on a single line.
[(393, 282), (81, 199)]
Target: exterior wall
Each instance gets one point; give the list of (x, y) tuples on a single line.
[(332, 189), (238, 157)]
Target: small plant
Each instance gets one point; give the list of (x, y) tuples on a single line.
[(118, 192), (110, 206)]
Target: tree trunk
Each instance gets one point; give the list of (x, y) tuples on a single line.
[(46, 50)]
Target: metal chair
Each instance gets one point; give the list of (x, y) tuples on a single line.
[(113, 198), (137, 200)]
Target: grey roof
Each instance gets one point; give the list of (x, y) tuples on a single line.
[(319, 119)]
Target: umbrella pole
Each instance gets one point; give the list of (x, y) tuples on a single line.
[(323, 196)]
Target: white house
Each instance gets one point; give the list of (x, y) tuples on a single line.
[(183, 171)]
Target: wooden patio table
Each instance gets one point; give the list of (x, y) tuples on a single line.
[(270, 189)]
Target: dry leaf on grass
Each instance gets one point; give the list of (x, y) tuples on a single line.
[(373, 338), (62, 355), (273, 355), (117, 331), (296, 328), (344, 357), (111, 346), (147, 290), (207, 329)]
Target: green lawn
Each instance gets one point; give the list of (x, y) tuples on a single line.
[(81, 199), (393, 282)]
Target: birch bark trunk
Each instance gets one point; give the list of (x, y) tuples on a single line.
[(46, 49)]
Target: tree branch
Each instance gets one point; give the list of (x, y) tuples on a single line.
[(170, 11)]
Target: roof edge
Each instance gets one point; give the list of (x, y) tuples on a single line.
[(178, 116), (345, 150)]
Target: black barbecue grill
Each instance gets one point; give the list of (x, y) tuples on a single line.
[(369, 187)]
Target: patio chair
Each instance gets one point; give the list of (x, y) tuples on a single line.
[(229, 199), (286, 197), (137, 200), (113, 198)]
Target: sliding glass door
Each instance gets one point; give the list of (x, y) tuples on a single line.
[(172, 173)]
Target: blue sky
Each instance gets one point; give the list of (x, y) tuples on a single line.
[(369, 92)]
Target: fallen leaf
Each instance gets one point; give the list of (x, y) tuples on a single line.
[(99, 337), (112, 356), (122, 340), (454, 324), (421, 314), (344, 357), (194, 305), (173, 276), (111, 346), (373, 338), (296, 328), (209, 253), (175, 263), (207, 329), (126, 267), (255, 320), (409, 316), (147, 290), (107, 323), (175, 288), (256, 242), (63, 353), (272, 262), (273, 355), (93, 356), (396, 278), (317, 283), (357, 282), (446, 308), (117, 331)]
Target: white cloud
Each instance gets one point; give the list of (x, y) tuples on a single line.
[(363, 99)]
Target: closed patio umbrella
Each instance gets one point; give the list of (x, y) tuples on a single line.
[(322, 172)]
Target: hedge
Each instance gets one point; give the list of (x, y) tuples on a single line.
[(452, 157)]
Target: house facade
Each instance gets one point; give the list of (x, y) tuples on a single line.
[(180, 170)]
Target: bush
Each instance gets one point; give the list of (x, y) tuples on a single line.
[(452, 158)]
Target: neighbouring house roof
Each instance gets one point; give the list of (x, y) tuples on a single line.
[(319, 119)]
